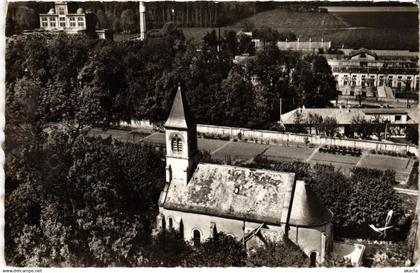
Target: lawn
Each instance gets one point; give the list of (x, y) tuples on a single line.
[(374, 30), (383, 162), (156, 138), (282, 153), (282, 18), (209, 145), (239, 150), (336, 158), (379, 19)]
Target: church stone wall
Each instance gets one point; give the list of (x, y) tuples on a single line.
[(205, 223), (313, 239)]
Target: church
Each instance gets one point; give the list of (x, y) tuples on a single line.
[(252, 205)]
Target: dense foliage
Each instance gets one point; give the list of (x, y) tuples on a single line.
[(110, 81), (82, 202), (280, 254)]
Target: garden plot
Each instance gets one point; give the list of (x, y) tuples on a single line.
[(383, 162), (287, 153), (401, 166), (340, 162), (239, 150), (210, 145), (156, 138)]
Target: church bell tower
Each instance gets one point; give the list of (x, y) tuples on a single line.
[(181, 141)]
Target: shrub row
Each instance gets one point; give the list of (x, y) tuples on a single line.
[(334, 149), (393, 153)]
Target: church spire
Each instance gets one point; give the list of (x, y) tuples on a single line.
[(180, 117)]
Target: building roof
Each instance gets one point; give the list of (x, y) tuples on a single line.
[(180, 116), (386, 111), (234, 192), (342, 115), (363, 50), (307, 209)]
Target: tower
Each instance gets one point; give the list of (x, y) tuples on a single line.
[(142, 12), (181, 141)]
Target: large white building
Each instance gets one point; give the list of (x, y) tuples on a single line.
[(60, 19), (375, 73)]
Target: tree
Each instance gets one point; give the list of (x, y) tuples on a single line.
[(93, 210), (127, 20), (361, 126), (230, 42), (412, 134), (247, 26), (168, 248), (314, 120), (210, 39), (234, 100), (246, 45), (219, 251), (373, 196), (329, 126), (25, 19), (280, 254), (266, 35)]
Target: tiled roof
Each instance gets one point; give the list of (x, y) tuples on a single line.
[(307, 209), (342, 115), (180, 116), (386, 111), (363, 50), (234, 192)]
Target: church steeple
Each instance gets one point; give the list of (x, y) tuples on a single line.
[(181, 141), (180, 116)]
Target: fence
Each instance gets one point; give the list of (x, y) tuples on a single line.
[(276, 137), (273, 137)]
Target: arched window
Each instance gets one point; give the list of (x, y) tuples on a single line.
[(196, 237), (176, 144), (163, 223), (181, 229), (171, 223)]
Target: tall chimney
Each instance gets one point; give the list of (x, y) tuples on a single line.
[(142, 13)]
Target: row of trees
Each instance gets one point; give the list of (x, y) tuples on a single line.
[(136, 80)]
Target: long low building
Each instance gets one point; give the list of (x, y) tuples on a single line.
[(398, 117), (361, 72)]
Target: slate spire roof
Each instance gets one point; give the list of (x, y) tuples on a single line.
[(307, 209), (180, 117)]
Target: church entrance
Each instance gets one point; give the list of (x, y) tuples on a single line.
[(312, 259)]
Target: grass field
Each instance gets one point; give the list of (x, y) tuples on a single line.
[(276, 152), (209, 145), (282, 18), (379, 19), (343, 163), (240, 150), (156, 138), (373, 30), (383, 162)]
